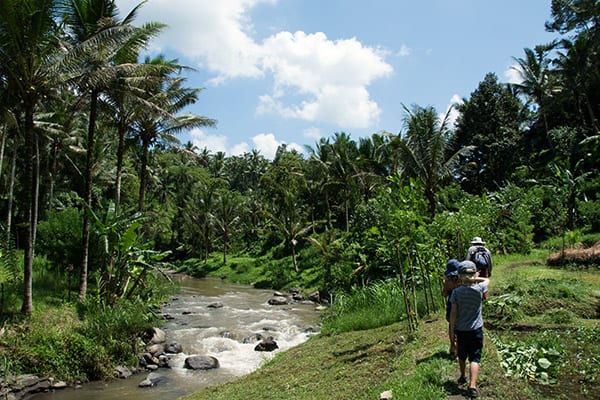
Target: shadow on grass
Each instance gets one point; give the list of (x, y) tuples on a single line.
[(440, 355), (452, 388)]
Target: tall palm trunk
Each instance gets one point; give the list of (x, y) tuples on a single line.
[(143, 172), (120, 156), (85, 247), (11, 186), (30, 210), (53, 169)]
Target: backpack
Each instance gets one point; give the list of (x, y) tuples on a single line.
[(482, 259)]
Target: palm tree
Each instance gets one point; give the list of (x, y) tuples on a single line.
[(227, 216), (319, 179), (99, 41), (342, 167), (28, 61), (425, 149), (580, 73), (535, 74), (160, 123), (127, 95)]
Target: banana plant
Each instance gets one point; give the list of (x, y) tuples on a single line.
[(126, 260)]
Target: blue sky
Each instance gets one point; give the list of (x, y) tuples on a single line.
[(293, 71)]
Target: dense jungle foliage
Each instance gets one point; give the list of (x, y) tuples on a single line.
[(97, 195)]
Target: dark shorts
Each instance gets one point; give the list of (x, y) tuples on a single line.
[(469, 344)]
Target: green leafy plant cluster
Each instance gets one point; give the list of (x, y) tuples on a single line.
[(505, 307), (585, 362), (529, 359)]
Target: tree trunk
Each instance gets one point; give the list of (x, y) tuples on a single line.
[(29, 196), (36, 192), (405, 292), (143, 169), (11, 186), (85, 246), (53, 169), (294, 258), (120, 155)]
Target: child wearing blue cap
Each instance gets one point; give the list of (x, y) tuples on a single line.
[(450, 283)]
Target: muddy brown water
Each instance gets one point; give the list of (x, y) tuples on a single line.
[(202, 330)]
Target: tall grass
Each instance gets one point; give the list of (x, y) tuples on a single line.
[(378, 304)]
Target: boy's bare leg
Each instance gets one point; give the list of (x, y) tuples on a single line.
[(474, 371)]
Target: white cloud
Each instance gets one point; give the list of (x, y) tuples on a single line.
[(214, 33), (239, 149), (314, 78), (331, 77), (266, 143), (214, 143), (514, 74)]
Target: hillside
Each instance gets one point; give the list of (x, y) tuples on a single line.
[(363, 364)]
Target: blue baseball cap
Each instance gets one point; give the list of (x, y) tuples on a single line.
[(451, 268), (467, 267)]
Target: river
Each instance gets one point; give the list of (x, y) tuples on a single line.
[(217, 332)]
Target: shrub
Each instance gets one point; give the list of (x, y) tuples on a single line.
[(117, 327), (589, 214), (59, 237), (51, 344)]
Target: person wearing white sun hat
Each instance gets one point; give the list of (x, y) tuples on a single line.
[(481, 256)]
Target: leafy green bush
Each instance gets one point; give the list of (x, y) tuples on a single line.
[(589, 214), (520, 296), (51, 344), (117, 327), (59, 237)]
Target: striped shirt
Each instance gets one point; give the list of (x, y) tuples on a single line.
[(468, 299)]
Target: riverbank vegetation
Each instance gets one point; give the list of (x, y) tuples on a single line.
[(100, 198)]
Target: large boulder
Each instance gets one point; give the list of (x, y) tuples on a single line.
[(201, 362), (278, 301), (267, 344), (173, 348)]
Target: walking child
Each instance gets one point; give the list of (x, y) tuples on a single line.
[(466, 322), (451, 282)]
